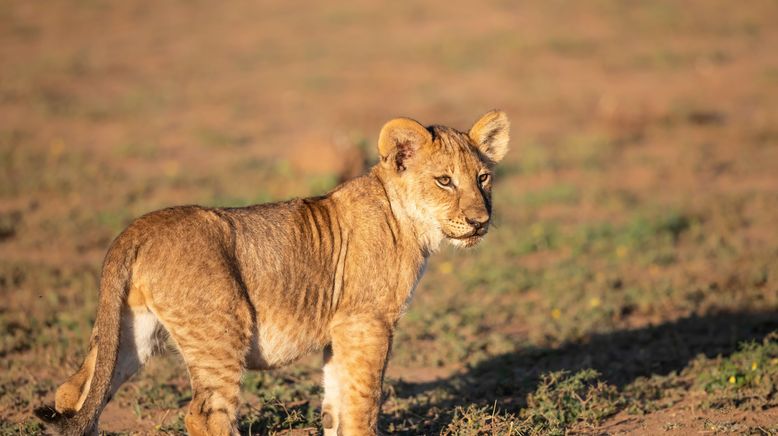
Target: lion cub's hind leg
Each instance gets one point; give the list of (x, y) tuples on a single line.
[(138, 340), (70, 396), (215, 366), (213, 339), (141, 336)]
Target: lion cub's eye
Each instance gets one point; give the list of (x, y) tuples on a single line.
[(483, 178), (443, 181)]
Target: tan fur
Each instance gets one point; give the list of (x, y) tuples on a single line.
[(70, 395), (261, 286)]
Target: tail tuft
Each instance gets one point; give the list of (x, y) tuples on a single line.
[(52, 419), (47, 414)]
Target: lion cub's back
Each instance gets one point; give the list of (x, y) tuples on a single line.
[(177, 227), (180, 252)]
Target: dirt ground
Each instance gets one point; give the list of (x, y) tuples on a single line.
[(636, 212)]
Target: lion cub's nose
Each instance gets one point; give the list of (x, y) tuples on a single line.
[(475, 223), (479, 224)]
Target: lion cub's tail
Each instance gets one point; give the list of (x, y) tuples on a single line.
[(81, 398)]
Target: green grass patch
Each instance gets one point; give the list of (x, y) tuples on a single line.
[(563, 399), (746, 379)]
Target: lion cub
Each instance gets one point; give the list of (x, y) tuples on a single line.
[(258, 287)]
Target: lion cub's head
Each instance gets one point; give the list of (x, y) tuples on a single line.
[(442, 178)]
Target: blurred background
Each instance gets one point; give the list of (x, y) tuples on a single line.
[(631, 282)]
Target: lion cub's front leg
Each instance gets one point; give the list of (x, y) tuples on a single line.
[(353, 374)]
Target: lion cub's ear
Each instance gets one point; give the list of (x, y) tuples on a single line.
[(400, 139), (491, 134)]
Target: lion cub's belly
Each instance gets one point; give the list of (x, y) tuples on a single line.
[(277, 345)]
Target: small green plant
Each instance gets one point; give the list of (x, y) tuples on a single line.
[(287, 400), (279, 417), (482, 420), (563, 399), (753, 365)]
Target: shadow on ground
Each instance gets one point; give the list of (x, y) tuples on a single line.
[(620, 357)]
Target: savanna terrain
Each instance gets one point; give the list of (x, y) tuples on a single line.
[(629, 286)]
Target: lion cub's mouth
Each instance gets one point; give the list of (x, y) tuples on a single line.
[(475, 233), (469, 239)]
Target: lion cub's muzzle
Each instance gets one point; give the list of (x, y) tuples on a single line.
[(480, 227)]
